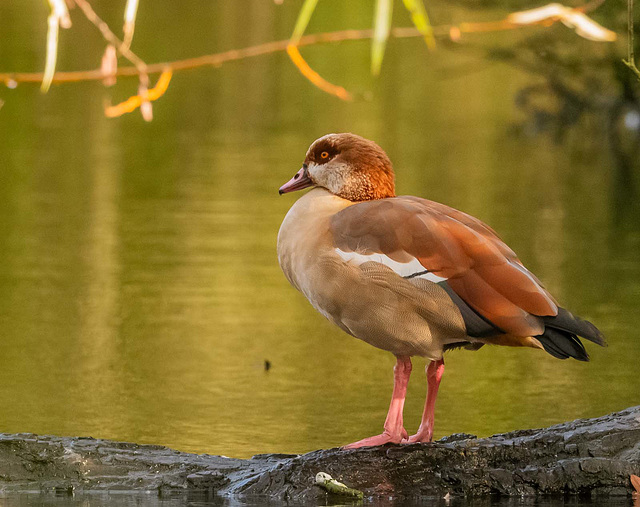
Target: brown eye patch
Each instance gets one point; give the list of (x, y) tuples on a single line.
[(323, 153)]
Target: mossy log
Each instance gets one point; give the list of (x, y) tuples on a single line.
[(586, 457)]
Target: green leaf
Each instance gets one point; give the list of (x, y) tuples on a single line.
[(381, 29), (303, 20), (421, 21)]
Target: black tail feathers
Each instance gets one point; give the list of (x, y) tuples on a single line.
[(562, 345), (560, 337)]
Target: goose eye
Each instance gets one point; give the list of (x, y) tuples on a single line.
[(324, 155)]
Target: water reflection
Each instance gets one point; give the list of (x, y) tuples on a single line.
[(177, 499)]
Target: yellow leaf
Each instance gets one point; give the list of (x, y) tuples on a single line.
[(109, 65), (52, 52), (59, 17), (130, 12), (132, 103), (537, 15), (583, 25), (59, 9), (314, 77), (421, 21), (587, 27)]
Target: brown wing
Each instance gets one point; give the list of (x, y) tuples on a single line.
[(479, 267)]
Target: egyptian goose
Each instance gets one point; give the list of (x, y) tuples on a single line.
[(409, 275)]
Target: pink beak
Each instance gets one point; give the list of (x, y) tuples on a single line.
[(299, 181)]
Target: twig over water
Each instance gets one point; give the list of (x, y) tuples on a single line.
[(631, 60), (217, 59)]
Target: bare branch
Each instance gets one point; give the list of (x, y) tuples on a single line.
[(110, 37), (218, 59), (631, 60)]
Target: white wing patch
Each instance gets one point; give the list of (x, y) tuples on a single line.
[(411, 269)]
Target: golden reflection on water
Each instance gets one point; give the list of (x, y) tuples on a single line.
[(139, 288)]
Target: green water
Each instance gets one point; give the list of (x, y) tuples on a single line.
[(140, 293)]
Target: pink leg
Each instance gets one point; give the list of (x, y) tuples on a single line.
[(434, 375), (393, 428)]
